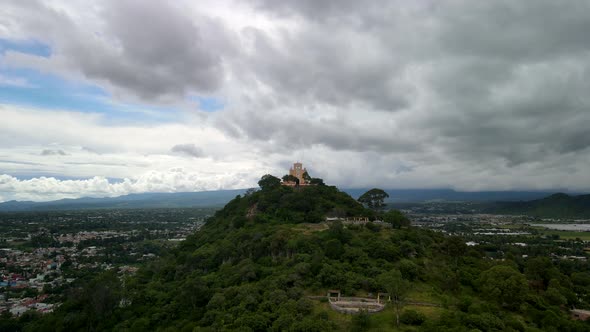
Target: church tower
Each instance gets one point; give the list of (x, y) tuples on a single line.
[(297, 171)]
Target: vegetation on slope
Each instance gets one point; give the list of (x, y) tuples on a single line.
[(554, 206), (254, 265)]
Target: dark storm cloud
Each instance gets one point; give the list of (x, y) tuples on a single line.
[(329, 67), (188, 149), (318, 10), (514, 30), (162, 51), (49, 152), (483, 81), (282, 130), (149, 50)]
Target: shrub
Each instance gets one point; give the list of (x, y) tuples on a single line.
[(361, 321), (412, 317), (373, 227)]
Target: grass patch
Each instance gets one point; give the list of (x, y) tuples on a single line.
[(385, 320), (422, 292), (430, 312), (342, 321), (310, 228)]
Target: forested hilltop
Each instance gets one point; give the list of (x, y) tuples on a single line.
[(264, 261), (555, 206)]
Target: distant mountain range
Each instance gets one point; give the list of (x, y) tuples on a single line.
[(449, 195), (131, 201), (555, 206), (221, 197)]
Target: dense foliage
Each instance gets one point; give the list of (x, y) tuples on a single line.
[(374, 199), (253, 266)]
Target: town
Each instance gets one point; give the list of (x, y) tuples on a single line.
[(44, 254)]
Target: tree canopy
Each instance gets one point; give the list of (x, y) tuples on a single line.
[(291, 178), (268, 182), (396, 219), (505, 285), (374, 199), (317, 181)]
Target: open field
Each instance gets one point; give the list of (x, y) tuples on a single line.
[(565, 235)]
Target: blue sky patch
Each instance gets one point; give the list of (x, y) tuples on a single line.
[(48, 91), (34, 88), (208, 104), (51, 91), (32, 47)]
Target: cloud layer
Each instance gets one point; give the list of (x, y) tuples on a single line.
[(462, 94)]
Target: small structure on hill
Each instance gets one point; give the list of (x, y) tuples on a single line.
[(297, 176), (349, 220), (579, 314), (297, 171), (353, 305)]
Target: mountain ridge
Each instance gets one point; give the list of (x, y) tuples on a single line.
[(221, 197), (558, 205)]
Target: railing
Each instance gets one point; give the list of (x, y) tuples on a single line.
[(353, 305)]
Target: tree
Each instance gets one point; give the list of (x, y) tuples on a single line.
[(306, 178), (409, 269), (540, 271), (334, 249), (268, 182), (454, 247), (412, 317), (291, 178), (317, 182), (361, 322), (397, 288), (396, 219), (374, 199), (505, 285), (194, 293)]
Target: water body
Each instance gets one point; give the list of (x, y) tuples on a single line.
[(502, 233), (566, 227)]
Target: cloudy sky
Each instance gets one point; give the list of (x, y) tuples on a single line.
[(104, 98)]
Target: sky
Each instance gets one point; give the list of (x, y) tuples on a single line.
[(106, 98)]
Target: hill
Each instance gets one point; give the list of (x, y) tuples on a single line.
[(555, 206), (267, 259)]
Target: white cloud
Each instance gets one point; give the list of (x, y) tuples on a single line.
[(174, 180)]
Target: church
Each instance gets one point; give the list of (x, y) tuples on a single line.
[(297, 171)]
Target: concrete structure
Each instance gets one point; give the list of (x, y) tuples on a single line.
[(352, 305), (333, 294), (371, 305), (580, 314)]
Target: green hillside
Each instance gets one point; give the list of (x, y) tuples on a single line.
[(263, 262), (554, 206)]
